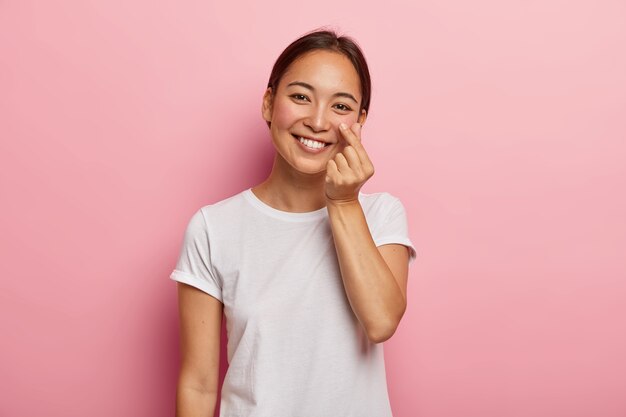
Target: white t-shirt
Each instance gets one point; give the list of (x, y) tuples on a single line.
[(295, 347)]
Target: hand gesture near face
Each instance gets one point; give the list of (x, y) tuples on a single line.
[(348, 170)]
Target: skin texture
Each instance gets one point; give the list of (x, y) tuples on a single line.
[(375, 278), (200, 318)]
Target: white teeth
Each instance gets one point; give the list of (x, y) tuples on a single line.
[(311, 143)]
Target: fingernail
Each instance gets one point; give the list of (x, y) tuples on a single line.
[(343, 126)]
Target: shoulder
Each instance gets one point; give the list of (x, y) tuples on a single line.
[(221, 212), (227, 207), (379, 202)]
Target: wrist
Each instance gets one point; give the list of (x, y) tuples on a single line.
[(342, 202)]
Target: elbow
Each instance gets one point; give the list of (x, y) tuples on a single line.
[(383, 333), (379, 337)]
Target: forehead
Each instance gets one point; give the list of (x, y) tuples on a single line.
[(326, 70)]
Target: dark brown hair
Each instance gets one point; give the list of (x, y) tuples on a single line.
[(328, 40)]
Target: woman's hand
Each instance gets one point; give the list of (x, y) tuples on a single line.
[(348, 170)]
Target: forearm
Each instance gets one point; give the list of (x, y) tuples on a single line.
[(191, 402), (371, 288)]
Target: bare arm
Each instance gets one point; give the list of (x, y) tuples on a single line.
[(200, 329), (375, 279)]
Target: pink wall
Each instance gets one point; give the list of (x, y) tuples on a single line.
[(499, 124)]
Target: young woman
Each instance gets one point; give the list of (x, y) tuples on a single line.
[(310, 272)]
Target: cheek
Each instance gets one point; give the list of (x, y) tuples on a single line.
[(284, 115), (348, 119)]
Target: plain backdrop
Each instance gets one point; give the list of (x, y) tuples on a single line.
[(499, 124)]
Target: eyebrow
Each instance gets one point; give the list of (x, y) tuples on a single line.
[(310, 87)]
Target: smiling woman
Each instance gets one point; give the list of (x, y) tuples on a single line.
[(310, 272), (319, 91)]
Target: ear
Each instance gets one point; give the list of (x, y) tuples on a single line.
[(362, 117), (266, 108)]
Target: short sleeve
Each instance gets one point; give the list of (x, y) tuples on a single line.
[(394, 227), (194, 261)]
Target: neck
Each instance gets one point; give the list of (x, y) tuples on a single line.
[(289, 190)]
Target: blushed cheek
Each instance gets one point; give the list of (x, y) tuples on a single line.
[(284, 115), (348, 119)]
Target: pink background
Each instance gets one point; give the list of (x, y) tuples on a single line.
[(500, 125)]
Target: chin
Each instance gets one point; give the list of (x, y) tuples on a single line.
[(310, 169)]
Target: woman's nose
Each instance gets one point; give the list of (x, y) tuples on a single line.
[(318, 120)]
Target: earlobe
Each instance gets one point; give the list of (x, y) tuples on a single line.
[(266, 108), (362, 117)]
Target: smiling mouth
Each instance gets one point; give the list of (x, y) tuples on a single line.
[(310, 143)]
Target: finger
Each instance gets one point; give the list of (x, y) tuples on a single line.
[(348, 134), (354, 139), (331, 170), (342, 163), (352, 157), (356, 129), (363, 156)]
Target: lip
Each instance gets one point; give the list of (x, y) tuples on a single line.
[(312, 138), (310, 150)]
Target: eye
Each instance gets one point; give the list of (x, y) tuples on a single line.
[(343, 107), (299, 97)]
